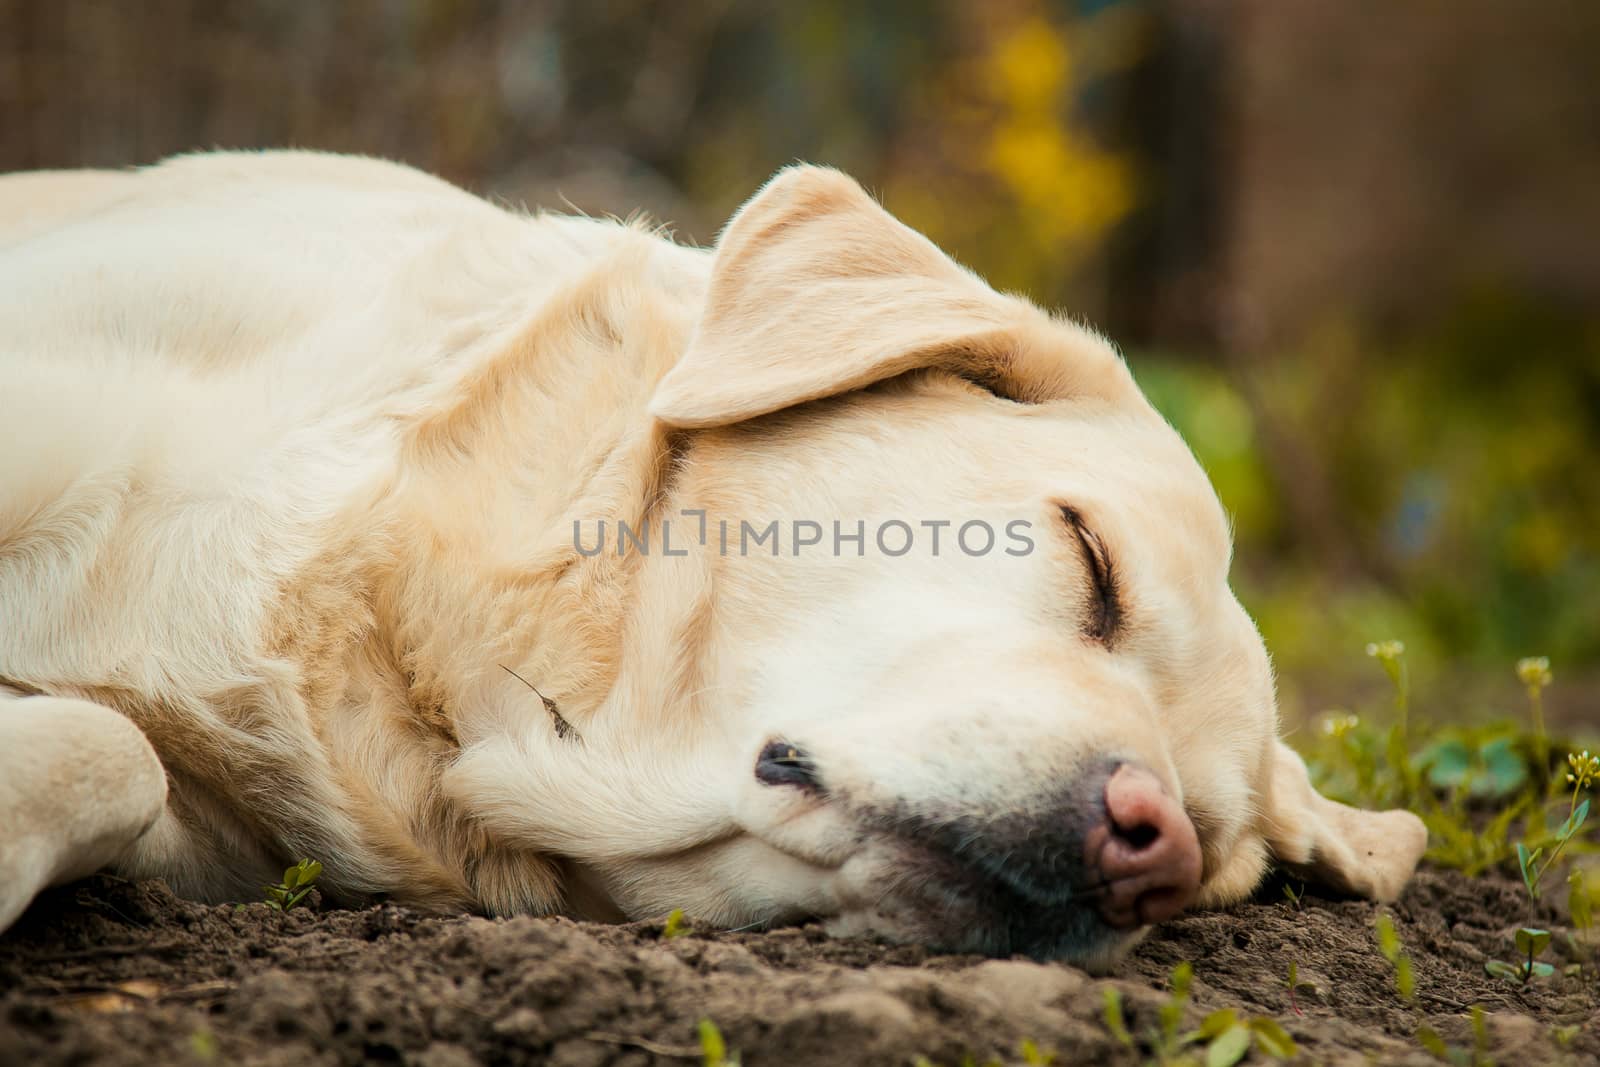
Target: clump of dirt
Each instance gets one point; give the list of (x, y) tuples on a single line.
[(115, 972)]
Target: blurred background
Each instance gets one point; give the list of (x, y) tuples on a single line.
[(1351, 249)]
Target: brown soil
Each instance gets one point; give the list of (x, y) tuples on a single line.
[(114, 972)]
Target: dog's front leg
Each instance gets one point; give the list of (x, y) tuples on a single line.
[(78, 785)]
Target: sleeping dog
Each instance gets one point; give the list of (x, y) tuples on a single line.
[(540, 564)]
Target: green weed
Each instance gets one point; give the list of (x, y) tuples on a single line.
[(1530, 943), (1397, 744), (1222, 1039), (1034, 1056), (1116, 1019), (1585, 770), (1295, 986), (1405, 979), (1477, 788), (713, 1048), (1227, 1038), (1534, 673), (1580, 901), (1476, 1056), (203, 1044), (297, 882)]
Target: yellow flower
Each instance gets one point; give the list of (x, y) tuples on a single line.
[(1534, 671), (1338, 723), (1585, 768)]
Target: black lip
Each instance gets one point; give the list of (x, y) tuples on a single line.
[(1007, 881), (964, 910), (784, 763)]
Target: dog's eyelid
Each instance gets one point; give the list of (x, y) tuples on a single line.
[(1106, 618)]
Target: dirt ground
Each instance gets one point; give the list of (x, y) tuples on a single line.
[(113, 972)]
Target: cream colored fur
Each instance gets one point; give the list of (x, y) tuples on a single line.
[(297, 444)]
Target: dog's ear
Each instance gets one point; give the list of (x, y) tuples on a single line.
[(1366, 853), (816, 290)]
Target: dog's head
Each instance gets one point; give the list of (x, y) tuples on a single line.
[(952, 652)]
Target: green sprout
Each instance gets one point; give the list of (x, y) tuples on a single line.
[(713, 1049), (1171, 1013), (1295, 986), (1165, 1040), (1224, 1035), (1228, 1038), (1534, 673), (1585, 770), (203, 1043), (1391, 657), (1034, 1056), (674, 926), (1477, 1056), (1405, 980), (297, 882), (1530, 942), (1580, 903), (1116, 1020)]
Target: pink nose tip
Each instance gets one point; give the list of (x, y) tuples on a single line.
[(1147, 853)]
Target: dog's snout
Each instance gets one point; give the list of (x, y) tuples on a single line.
[(1112, 851), (782, 763), (1146, 852)]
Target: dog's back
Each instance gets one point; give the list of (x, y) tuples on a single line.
[(198, 362), (214, 370)]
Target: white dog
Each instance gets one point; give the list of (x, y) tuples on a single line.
[(538, 564)]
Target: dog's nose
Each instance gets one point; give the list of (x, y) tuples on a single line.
[(1147, 853)]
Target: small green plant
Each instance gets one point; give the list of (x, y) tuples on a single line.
[(1115, 1019), (1391, 656), (1475, 763), (1397, 746), (1477, 1056), (1295, 897), (1457, 843), (1171, 1013), (203, 1043), (713, 1049), (1034, 1056), (1227, 1038), (1350, 761), (1165, 1040), (1580, 904), (297, 883), (1580, 901), (1295, 986), (1585, 770), (674, 926), (1534, 673), (1224, 1036), (1405, 980), (1530, 942)]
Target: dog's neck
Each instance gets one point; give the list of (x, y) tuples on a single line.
[(548, 431), (482, 574)]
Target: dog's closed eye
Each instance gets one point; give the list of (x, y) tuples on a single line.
[(1105, 615)]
